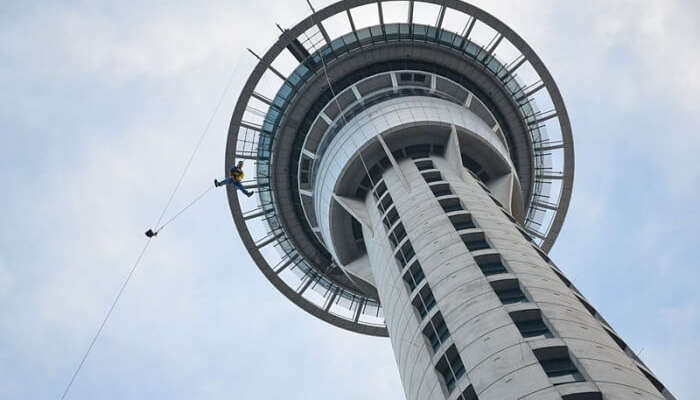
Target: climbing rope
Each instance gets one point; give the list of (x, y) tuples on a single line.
[(160, 227), (190, 204), (104, 321)]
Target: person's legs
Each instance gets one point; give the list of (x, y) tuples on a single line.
[(224, 182), (242, 189)]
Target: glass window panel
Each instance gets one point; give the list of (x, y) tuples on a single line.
[(365, 16), (454, 21), (481, 33), (337, 25), (395, 11), (425, 13), (492, 268), (511, 296), (477, 243)]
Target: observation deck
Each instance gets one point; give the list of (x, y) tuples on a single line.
[(335, 66)]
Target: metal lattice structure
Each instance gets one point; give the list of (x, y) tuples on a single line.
[(258, 115)]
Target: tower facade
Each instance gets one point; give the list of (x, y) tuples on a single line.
[(413, 166)]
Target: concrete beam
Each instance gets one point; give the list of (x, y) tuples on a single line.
[(394, 163), (453, 154), (355, 208)]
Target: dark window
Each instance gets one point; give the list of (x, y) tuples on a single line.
[(356, 229), (361, 192), (561, 370), (440, 189), (451, 204), (530, 324), (424, 164), (436, 331), (468, 394), (558, 365), (418, 150), (533, 328), (432, 176), (419, 77), (397, 234), (462, 221), (375, 173), (379, 191), (450, 367), (474, 168), (508, 291), (385, 163), (424, 301), (398, 154), (405, 76), (475, 241), (414, 275), (359, 238), (391, 217), (385, 203), (490, 264), (405, 253)]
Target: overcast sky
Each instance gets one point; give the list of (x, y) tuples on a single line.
[(101, 104)]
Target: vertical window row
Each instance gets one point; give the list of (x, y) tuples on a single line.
[(396, 232), (449, 366)]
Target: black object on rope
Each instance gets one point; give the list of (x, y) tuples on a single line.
[(151, 234)]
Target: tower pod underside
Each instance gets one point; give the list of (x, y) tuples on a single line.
[(469, 74)]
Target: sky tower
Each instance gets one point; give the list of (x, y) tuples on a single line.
[(413, 163)]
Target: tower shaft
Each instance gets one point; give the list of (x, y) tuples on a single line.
[(472, 308)]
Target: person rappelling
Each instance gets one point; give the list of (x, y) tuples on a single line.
[(235, 177)]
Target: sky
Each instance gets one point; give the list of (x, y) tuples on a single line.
[(102, 102)]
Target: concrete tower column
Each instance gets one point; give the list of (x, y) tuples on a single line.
[(443, 281)]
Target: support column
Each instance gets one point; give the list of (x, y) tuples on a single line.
[(471, 307)]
